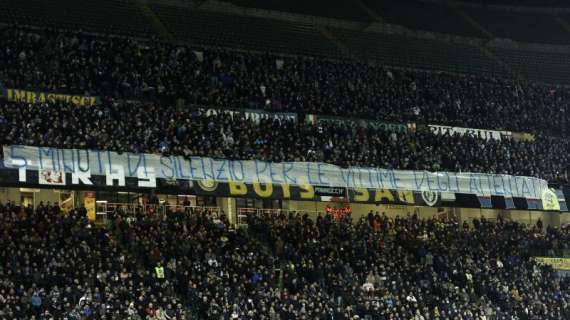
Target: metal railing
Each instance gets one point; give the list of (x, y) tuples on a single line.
[(130, 210), (243, 213)]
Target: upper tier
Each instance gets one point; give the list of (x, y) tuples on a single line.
[(127, 68), (236, 27)]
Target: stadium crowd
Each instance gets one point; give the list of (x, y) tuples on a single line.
[(74, 62), (144, 127), (192, 265)]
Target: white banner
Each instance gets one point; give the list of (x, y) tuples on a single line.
[(477, 133), (252, 114), (84, 163)]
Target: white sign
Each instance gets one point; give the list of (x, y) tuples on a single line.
[(115, 167), (477, 133), (253, 115)]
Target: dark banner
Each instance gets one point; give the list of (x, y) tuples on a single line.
[(17, 95), (307, 192), (353, 122)]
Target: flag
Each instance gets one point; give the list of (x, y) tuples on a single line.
[(485, 201), (533, 204), (199, 55), (550, 200), (509, 203), (561, 200), (311, 119)]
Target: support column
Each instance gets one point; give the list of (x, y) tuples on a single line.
[(228, 205)]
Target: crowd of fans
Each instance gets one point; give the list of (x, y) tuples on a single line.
[(61, 267), (73, 62), (144, 127), (410, 268), (193, 265), (159, 75)]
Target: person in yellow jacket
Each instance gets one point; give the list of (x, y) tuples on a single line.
[(159, 270)]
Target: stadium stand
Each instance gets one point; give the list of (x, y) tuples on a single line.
[(126, 89), (225, 78), (191, 265), (128, 128), (210, 28), (230, 79)]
